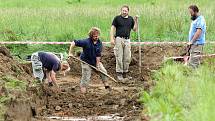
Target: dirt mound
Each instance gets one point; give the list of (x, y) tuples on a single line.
[(5, 51), (152, 58), (19, 110), (9, 66), (121, 101), (17, 76)]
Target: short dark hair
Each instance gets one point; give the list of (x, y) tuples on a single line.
[(125, 6), (194, 8)]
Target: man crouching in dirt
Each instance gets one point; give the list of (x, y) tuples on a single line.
[(92, 48), (48, 63)]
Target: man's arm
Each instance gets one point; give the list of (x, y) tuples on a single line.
[(98, 56), (53, 77), (71, 48), (98, 59), (48, 74), (112, 33), (135, 23), (196, 36)]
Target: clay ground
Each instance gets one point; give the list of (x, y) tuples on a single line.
[(121, 103)]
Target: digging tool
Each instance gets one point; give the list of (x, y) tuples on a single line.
[(183, 57), (174, 58), (186, 54), (94, 68), (138, 34)]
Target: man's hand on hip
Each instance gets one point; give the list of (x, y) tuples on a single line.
[(189, 43)]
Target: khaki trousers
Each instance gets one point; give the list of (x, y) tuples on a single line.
[(122, 52)]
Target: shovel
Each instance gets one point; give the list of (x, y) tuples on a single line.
[(182, 58), (95, 68)]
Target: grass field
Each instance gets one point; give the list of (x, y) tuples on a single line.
[(182, 94), (65, 20)]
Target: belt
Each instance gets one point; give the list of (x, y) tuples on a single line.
[(198, 44), (124, 37)]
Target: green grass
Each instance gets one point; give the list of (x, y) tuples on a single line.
[(55, 20), (12, 83), (182, 94), (66, 20)]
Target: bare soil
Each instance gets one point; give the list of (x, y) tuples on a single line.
[(122, 101)]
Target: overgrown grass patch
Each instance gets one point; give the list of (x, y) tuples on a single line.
[(182, 94)]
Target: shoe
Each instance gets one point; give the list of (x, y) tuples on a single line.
[(120, 76), (125, 76), (50, 84), (108, 88)]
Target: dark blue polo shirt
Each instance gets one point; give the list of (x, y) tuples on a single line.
[(49, 61), (90, 50)]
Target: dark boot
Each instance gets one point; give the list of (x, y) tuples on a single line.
[(107, 87), (50, 84), (125, 76)]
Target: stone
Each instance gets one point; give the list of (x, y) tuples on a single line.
[(70, 105), (57, 108)]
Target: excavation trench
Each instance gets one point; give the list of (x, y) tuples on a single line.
[(45, 103)]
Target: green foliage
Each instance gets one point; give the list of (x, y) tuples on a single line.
[(12, 83), (65, 20), (182, 94), (50, 19)]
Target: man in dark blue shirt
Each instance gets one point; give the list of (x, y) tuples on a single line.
[(49, 63), (92, 48)]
